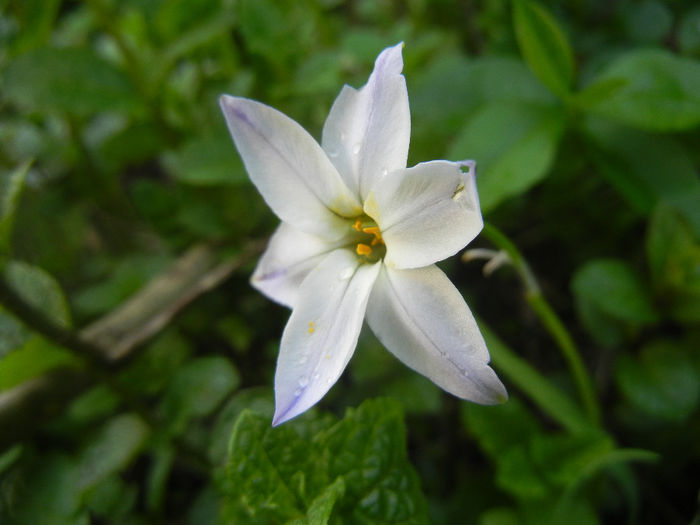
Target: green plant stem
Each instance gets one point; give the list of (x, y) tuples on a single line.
[(552, 323)]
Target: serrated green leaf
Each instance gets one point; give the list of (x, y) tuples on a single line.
[(368, 449), (45, 80), (615, 289), (660, 91), (663, 382), (544, 46), (514, 146), (10, 190), (288, 473)]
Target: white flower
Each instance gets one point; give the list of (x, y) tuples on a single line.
[(359, 237)]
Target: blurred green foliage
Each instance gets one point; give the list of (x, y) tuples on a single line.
[(584, 118)]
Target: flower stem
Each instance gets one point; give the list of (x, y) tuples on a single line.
[(551, 321)]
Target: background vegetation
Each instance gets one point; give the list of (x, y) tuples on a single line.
[(123, 203)]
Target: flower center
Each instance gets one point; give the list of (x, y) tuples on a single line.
[(369, 245)]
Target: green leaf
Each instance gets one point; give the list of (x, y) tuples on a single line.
[(208, 160), (197, 389), (647, 22), (660, 91), (544, 46), (34, 357), (45, 80), (514, 146), (689, 32), (615, 289), (296, 472), (447, 92), (40, 290), (368, 448), (664, 381), (115, 446), (10, 191), (646, 168), (537, 387), (673, 255)]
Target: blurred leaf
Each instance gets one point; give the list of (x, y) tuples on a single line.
[(207, 160), (133, 145), (12, 334), (197, 389), (615, 289), (57, 484), (446, 93), (45, 80), (646, 169), (660, 91), (34, 357), (664, 381), (10, 191), (277, 31), (35, 18), (689, 31), (673, 255), (112, 499), (115, 446), (544, 46), (277, 474), (120, 281), (514, 146), (538, 388), (40, 290), (647, 22)]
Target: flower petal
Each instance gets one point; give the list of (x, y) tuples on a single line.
[(368, 130), (290, 255), (426, 213), (423, 320), (289, 168), (322, 332)]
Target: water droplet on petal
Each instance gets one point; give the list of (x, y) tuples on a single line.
[(297, 392), (356, 148), (303, 381), (332, 154), (384, 171), (346, 273), (343, 136), (316, 375), (328, 381)]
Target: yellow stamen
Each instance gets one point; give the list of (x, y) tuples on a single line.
[(363, 249), (358, 225), (373, 230), (311, 327)]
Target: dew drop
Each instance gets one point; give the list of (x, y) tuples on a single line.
[(332, 154), (343, 136), (297, 392), (346, 273), (356, 148), (316, 376), (328, 381), (384, 171), (303, 381)]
